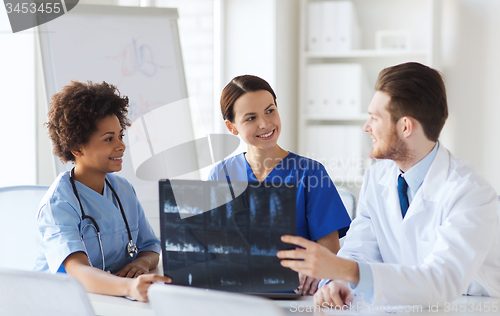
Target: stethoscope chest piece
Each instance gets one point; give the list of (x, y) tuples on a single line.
[(131, 249)]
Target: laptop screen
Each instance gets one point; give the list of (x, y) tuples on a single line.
[(231, 247)]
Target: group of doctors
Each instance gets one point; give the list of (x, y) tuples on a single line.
[(426, 230)]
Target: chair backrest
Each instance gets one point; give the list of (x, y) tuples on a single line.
[(182, 300), (18, 227), (349, 202), (42, 294)]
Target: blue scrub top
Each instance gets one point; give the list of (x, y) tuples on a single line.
[(60, 225), (320, 210)]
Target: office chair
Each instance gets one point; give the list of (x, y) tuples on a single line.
[(349, 202), (18, 227), (26, 293), (350, 205), (182, 300)]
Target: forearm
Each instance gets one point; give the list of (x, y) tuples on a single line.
[(150, 259), (346, 270), (330, 241), (93, 279), (100, 282)]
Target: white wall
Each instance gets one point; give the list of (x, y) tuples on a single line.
[(17, 110), (249, 39), (260, 38), (287, 70), (470, 59)]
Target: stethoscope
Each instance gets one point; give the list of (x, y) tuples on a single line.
[(131, 248)]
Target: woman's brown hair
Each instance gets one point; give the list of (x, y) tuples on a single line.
[(238, 87)]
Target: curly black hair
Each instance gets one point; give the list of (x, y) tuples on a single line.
[(75, 110)]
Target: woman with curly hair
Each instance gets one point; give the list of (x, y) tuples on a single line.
[(90, 220)]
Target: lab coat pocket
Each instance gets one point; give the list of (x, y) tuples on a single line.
[(424, 249)]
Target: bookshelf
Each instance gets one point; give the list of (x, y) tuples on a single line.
[(384, 33)]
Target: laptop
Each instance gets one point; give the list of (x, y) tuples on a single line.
[(42, 294), (221, 238)]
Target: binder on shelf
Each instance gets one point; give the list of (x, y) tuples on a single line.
[(339, 148), (356, 89), (314, 30), (326, 145), (336, 90), (353, 158), (313, 79), (331, 93), (329, 25), (332, 26), (347, 34)]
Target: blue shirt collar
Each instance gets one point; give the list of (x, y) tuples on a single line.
[(416, 174)]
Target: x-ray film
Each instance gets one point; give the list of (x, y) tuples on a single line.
[(231, 247)]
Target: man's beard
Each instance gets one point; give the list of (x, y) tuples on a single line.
[(395, 149)]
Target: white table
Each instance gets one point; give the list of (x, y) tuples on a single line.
[(109, 306)]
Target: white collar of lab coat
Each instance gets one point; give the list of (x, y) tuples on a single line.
[(436, 176)]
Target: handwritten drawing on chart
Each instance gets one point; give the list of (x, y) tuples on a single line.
[(135, 59), (141, 106)]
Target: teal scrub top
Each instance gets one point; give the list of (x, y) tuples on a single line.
[(60, 225)]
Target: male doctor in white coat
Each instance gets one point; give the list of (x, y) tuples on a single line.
[(427, 225)]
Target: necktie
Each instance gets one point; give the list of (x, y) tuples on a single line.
[(403, 195)]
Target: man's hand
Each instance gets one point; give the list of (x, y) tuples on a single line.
[(336, 293), (313, 260), (317, 261)]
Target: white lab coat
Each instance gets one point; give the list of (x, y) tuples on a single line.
[(448, 243)]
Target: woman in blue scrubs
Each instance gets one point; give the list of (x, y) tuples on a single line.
[(249, 109), (91, 224)]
